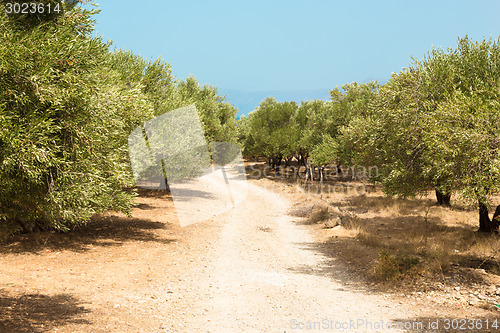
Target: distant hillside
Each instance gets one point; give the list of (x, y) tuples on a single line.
[(247, 101)]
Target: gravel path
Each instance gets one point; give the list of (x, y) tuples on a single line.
[(262, 274), (251, 269)]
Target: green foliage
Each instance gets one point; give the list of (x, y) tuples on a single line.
[(464, 133), (269, 130), (325, 152), (310, 132), (313, 122), (390, 136), (56, 165), (217, 115), (244, 136), (67, 106), (436, 124)]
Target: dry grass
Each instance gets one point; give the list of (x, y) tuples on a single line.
[(318, 214), (414, 238), (395, 239), (410, 240)]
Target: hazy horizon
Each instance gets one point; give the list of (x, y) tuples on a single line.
[(291, 46)]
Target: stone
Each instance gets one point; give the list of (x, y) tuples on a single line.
[(473, 301)]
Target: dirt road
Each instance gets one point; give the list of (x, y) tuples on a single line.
[(252, 269), (264, 275)]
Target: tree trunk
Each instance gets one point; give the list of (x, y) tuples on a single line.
[(299, 160), (496, 218), (276, 164), (321, 174), (308, 170), (302, 158), (28, 226), (443, 199), (485, 224), (164, 169), (443, 193)]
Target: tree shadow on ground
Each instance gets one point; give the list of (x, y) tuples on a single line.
[(154, 193), (336, 263), (39, 313), (100, 231), (363, 203), (352, 259), (181, 194), (144, 206)]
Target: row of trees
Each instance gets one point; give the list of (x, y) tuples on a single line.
[(67, 106), (309, 132), (434, 125)]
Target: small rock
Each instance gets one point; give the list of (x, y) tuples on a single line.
[(491, 289), (457, 288), (473, 301), (332, 223)]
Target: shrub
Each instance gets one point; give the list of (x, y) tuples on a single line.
[(394, 267)]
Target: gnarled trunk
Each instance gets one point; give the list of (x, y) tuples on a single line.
[(496, 218), (321, 171), (485, 224), (276, 164), (309, 171), (164, 170), (443, 193), (443, 199)]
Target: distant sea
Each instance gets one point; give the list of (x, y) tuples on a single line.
[(247, 101)]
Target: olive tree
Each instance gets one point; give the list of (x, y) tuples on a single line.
[(61, 125), (436, 125), (272, 130), (464, 130)]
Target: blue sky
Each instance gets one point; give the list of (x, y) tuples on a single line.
[(245, 47)]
